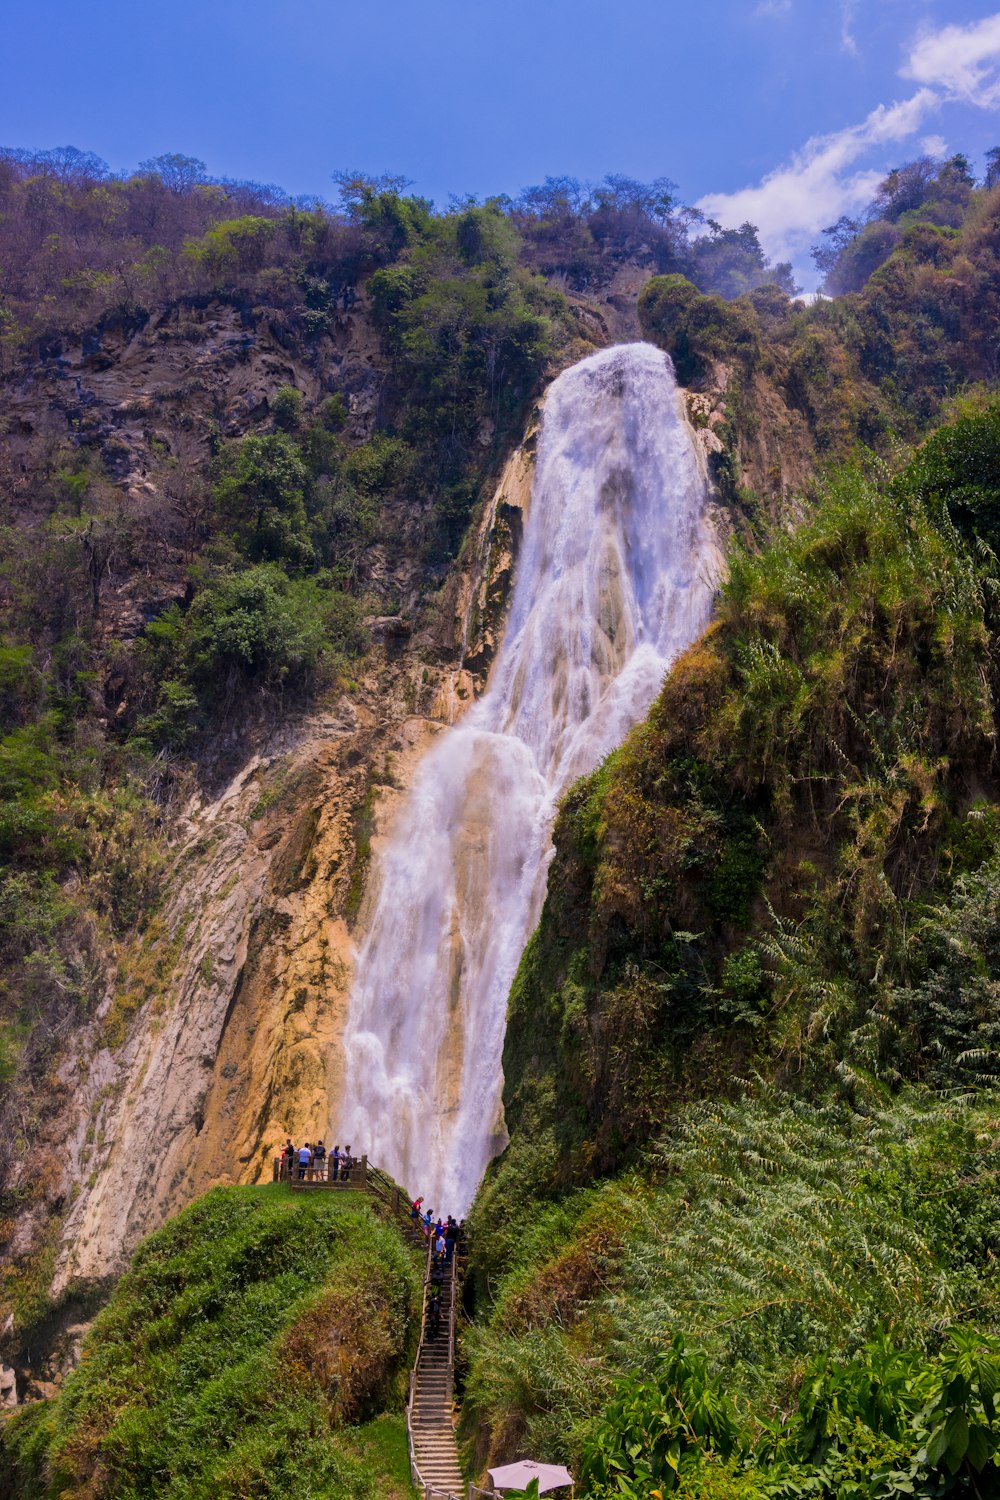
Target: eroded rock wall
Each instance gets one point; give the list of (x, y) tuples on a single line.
[(264, 891)]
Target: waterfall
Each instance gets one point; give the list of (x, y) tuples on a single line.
[(615, 577)]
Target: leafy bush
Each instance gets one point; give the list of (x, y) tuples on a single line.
[(260, 497), (697, 330), (287, 406), (889, 1422), (958, 470), (652, 1427), (254, 628)]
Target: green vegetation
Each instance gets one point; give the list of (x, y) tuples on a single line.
[(257, 628), (781, 894), (259, 1345), (793, 1247), (888, 1422), (904, 333), (782, 867), (696, 329), (470, 332)]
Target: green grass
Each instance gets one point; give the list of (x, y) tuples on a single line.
[(258, 1347), (766, 1232)]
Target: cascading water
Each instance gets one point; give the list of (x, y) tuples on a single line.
[(615, 578)]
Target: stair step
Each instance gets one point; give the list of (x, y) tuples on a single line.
[(432, 1409)]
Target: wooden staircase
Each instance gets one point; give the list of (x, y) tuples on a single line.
[(429, 1415)]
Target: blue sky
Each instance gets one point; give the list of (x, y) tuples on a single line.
[(782, 111)]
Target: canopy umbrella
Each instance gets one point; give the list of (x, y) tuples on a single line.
[(518, 1476)]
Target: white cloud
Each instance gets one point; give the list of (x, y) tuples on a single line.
[(848, 11), (961, 60), (795, 201), (827, 176), (773, 9)]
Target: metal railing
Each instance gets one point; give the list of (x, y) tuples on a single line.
[(320, 1173), (415, 1474), (451, 1315)]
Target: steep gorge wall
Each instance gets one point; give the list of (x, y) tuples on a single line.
[(253, 951), (223, 1035), (218, 1029)]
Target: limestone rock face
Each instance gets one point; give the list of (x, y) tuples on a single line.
[(239, 1045)]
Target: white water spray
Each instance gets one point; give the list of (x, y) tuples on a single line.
[(615, 578)]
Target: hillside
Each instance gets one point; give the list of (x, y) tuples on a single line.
[(242, 443), (264, 469), (258, 1344)]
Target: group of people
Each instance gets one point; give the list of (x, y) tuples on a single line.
[(304, 1162), (446, 1237), (446, 1234)]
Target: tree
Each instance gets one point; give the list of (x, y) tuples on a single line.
[(179, 173), (260, 495), (287, 405)]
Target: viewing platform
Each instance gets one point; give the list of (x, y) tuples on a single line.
[(321, 1174)]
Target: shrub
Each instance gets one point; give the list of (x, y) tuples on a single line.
[(698, 330), (957, 470), (287, 407), (259, 496), (254, 628)]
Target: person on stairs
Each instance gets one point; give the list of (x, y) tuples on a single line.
[(305, 1160)]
